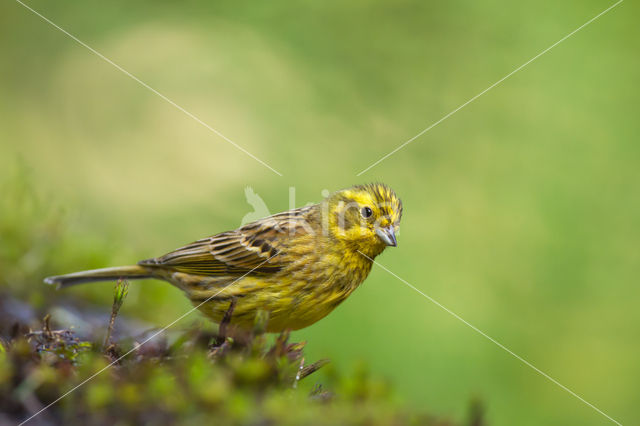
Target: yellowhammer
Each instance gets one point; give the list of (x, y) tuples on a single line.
[(297, 265)]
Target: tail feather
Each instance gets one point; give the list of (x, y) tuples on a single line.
[(132, 272)]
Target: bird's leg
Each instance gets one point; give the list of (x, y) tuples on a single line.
[(226, 320), (221, 343), (280, 345)]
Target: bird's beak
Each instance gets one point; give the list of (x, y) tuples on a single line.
[(387, 235)]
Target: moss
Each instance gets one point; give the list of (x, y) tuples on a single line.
[(237, 379)]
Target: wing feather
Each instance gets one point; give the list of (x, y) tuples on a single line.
[(261, 245)]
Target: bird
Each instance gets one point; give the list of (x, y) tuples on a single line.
[(297, 265)]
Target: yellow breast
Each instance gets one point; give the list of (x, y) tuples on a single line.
[(296, 297)]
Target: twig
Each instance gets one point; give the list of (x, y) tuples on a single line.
[(121, 291), (311, 368), (295, 382)]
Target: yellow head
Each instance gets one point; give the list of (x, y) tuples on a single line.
[(365, 217)]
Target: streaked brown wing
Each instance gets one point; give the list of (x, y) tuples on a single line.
[(259, 247)]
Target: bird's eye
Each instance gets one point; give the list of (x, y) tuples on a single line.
[(366, 212)]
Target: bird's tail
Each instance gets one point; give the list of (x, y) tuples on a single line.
[(133, 272)]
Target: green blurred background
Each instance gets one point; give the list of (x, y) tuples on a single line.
[(521, 210)]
